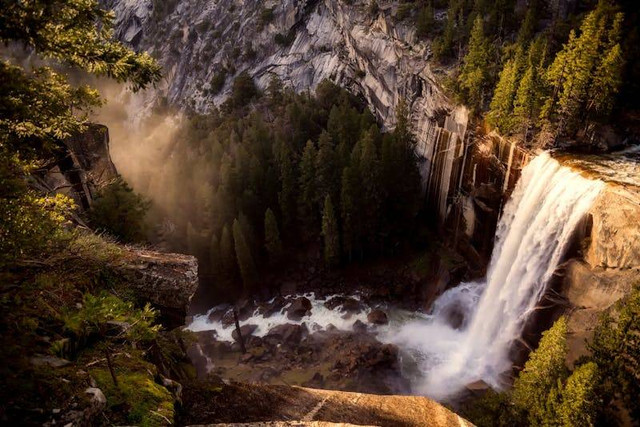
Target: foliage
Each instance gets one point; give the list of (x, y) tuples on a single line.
[(119, 211), (536, 389), (245, 258), (585, 74), (98, 310), (272, 241), (29, 222), (330, 233), (148, 403), (616, 350), (475, 73), (284, 153), (580, 400)]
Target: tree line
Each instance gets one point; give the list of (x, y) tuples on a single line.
[(272, 172), (533, 70)]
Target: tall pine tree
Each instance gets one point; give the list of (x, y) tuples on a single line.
[(330, 233)]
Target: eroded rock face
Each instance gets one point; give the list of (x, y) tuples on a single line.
[(374, 55), (166, 280), (615, 236), (610, 268), (83, 167)]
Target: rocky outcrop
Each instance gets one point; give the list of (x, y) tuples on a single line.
[(615, 234), (375, 55), (83, 166), (271, 405), (168, 281), (611, 265)]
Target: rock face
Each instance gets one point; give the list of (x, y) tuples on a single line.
[(374, 55), (615, 236), (611, 265), (168, 281), (299, 308), (277, 405), (83, 167)]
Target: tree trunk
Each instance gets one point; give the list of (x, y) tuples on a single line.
[(240, 338), (110, 365)]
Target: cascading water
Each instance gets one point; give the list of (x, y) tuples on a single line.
[(535, 229)]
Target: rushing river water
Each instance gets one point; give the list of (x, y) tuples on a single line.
[(533, 234)]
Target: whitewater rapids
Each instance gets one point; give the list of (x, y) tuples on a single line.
[(536, 227)]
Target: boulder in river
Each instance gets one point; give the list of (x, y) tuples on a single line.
[(299, 308), (245, 330), (359, 326), (349, 305), (287, 333), (378, 317)]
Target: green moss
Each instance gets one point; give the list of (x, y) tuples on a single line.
[(137, 399)]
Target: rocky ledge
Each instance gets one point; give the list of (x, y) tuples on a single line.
[(167, 280), (263, 405), (610, 267)]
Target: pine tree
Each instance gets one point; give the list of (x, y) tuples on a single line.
[(330, 233), (502, 103), (536, 390), (349, 211), (616, 350), (584, 76), (474, 73), (307, 184), (606, 83), (246, 263), (525, 104), (580, 400), (272, 241), (371, 197), (327, 178), (287, 193), (227, 257), (426, 20)]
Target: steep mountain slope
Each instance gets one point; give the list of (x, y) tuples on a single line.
[(203, 46)]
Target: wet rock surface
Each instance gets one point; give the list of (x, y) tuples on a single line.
[(299, 308), (291, 354)]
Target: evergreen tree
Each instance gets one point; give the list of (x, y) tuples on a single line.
[(118, 210), (580, 400), (330, 233), (272, 237), (474, 73), (605, 84), (246, 263), (501, 107), (371, 194), (327, 168), (287, 194), (616, 350), (526, 102), (307, 184), (587, 68), (537, 388), (227, 257), (215, 257), (426, 20), (349, 211)]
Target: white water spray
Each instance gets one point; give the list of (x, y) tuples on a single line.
[(535, 230)]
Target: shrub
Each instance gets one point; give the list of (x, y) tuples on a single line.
[(119, 211)]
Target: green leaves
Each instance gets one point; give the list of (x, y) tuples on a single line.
[(98, 310), (78, 33)]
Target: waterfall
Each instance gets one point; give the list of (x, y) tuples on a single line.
[(534, 231)]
